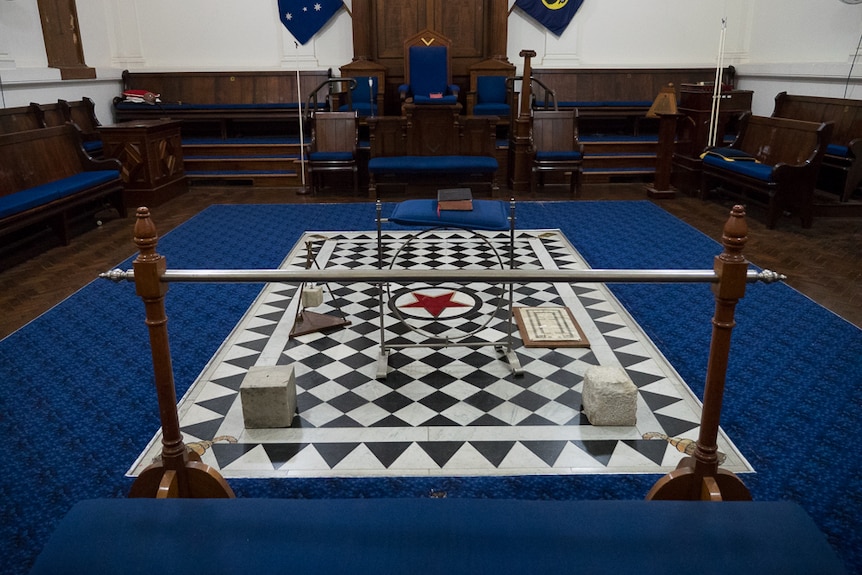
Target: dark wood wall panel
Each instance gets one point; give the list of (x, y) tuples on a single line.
[(395, 22), (464, 24)]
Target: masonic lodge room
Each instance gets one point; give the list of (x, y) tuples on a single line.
[(492, 286)]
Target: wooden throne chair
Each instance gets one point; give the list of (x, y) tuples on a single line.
[(428, 70)]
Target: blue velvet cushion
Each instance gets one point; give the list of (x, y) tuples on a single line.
[(93, 147), (836, 150), (420, 99), (491, 110), (730, 155), (330, 156), (606, 104), (419, 164), (561, 156), (491, 89), (485, 215), (168, 106), (755, 170), (362, 109), (38, 195)]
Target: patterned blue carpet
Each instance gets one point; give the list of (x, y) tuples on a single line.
[(78, 403)]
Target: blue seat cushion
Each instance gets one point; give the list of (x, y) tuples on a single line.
[(606, 104), (755, 170), (560, 156), (420, 164), (362, 109), (730, 155), (836, 150), (491, 109), (330, 156), (93, 147), (486, 215), (46, 193), (446, 99)]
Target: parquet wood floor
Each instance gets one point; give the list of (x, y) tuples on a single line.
[(824, 262)]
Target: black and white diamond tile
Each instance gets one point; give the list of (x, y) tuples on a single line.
[(450, 411)]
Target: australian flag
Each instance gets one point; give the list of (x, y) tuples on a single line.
[(554, 15), (304, 18)]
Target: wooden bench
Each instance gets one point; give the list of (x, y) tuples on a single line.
[(432, 146), (844, 151), (81, 114), (45, 173), (614, 100), (21, 119), (773, 161), (223, 104)]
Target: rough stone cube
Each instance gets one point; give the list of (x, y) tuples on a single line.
[(268, 396), (609, 396)]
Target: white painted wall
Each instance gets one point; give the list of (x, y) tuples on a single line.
[(801, 46)]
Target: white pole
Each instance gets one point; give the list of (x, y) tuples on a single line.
[(301, 135), (716, 92)]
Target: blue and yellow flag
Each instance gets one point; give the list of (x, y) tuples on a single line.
[(554, 15), (304, 18)]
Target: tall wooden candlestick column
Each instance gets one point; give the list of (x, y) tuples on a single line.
[(180, 472), (699, 477), (519, 141)]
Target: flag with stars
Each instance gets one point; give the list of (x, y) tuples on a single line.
[(304, 18), (554, 15)]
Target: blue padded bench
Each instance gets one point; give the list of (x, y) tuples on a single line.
[(227, 101), (773, 161), (223, 115), (45, 173), (439, 170), (449, 536)]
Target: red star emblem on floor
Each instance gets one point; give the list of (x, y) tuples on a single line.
[(434, 304)]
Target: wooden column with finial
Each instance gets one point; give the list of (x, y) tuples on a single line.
[(180, 472), (519, 141), (699, 477)]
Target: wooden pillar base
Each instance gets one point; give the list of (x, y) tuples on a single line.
[(685, 483)]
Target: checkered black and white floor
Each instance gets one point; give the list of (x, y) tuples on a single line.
[(453, 411)]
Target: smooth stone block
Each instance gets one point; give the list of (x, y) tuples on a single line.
[(268, 396), (609, 396)]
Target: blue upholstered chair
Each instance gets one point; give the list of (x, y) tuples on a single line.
[(334, 138), (363, 97), (555, 147), (492, 97), (428, 76)]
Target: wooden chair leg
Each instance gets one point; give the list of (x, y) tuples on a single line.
[(355, 181)]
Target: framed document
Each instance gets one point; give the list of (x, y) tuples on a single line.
[(551, 326)]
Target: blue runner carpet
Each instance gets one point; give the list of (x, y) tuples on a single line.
[(78, 404)]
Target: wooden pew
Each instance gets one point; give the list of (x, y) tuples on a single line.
[(432, 146), (82, 115), (45, 174), (612, 100), (222, 104), (21, 119), (773, 161), (844, 151)]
